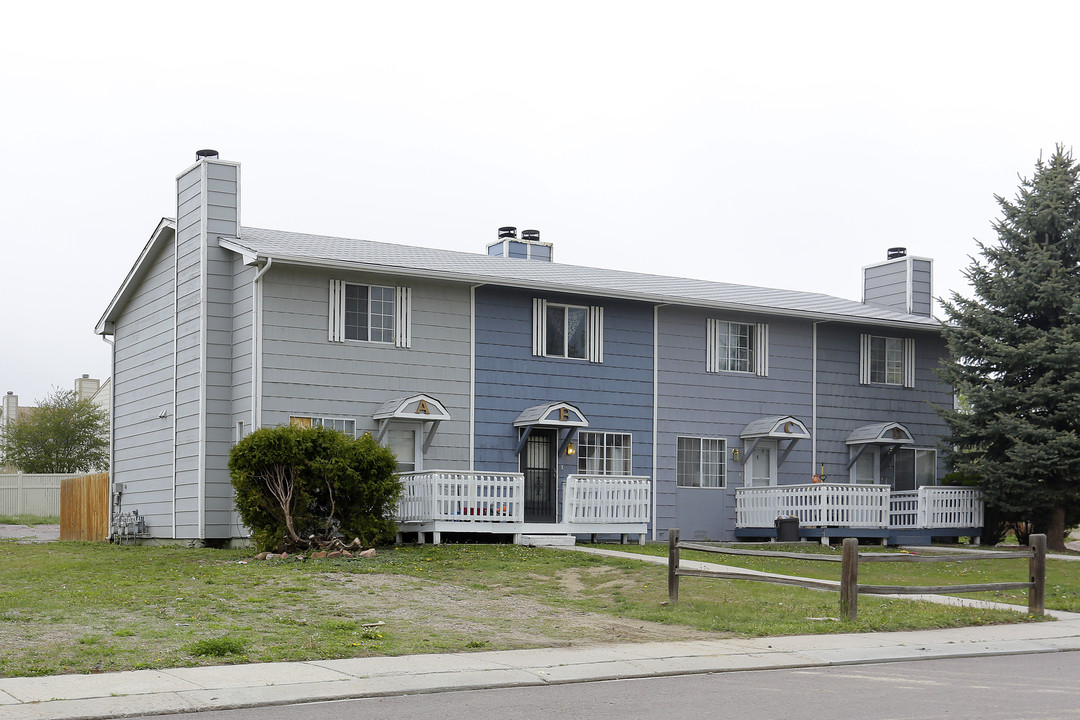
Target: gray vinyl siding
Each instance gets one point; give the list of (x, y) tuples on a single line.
[(922, 301), (142, 382), (188, 352), (222, 215), (692, 402), (615, 395), (887, 285), (305, 374), (218, 423)]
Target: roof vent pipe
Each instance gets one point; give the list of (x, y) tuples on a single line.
[(896, 252), (530, 235), (508, 232), (206, 154)]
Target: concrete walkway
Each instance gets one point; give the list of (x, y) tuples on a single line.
[(144, 692)]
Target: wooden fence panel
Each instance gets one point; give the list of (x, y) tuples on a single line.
[(84, 508)]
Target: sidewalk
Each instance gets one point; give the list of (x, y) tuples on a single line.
[(144, 692)]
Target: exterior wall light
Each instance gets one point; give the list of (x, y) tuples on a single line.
[(571, 449), (735, 454)]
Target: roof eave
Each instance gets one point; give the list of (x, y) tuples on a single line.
[(161, 233)]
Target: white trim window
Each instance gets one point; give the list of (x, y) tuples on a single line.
[(913, 468), (886, 360), (737, 347), (701, 462), (604, 453), (343, 425), (568, 331), (370, 313)]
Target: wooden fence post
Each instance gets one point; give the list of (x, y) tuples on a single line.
[(673, 565), (1037, 569), (849, 580)]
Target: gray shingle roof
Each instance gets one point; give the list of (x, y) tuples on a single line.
[(476, 268)]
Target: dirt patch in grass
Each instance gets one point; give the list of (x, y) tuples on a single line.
[(499, 620)]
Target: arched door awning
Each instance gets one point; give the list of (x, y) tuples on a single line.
[(559, 415), (889, 435), (774, 427), (418, 408)]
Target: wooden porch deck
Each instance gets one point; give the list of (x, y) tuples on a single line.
[(867, 512), (441, 501)]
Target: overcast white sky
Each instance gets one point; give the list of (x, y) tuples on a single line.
[(783, 144)]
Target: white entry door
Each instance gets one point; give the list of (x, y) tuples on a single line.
[(761, 465)]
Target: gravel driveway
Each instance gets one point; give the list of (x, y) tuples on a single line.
[(30, 533)]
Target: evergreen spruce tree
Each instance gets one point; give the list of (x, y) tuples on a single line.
[(1015, 350)]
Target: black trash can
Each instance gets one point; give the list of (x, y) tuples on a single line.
[(787, 529)]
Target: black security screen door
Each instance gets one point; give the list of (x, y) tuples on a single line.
[(538, 467)]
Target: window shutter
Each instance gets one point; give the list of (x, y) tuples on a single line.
[(909, 362), (596, 334), (864, 359), (712, 342), (403, 311), (761, 349), (336, 319), (539, 325)]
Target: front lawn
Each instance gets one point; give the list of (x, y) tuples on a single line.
[(90, 607)]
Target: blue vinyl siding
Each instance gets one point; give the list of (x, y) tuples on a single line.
[(696, 403), (615, 396)]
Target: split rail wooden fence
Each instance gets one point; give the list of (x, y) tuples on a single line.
[(849, 560)]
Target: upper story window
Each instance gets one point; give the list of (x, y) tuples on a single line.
[(568, 331), (737, 347), (700, 462), (887, 361), (370, 313), (603, 453)]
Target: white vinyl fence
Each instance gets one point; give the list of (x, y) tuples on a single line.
[(24, 494)]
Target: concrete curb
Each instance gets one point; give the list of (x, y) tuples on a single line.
[(147, 692)]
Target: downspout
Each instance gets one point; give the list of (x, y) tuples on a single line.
[(256, 346), (813, 400), (655, 408)]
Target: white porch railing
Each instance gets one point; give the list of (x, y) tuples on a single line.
[(861, 506), (904, 509), (444, 495), (606, 498), (822, 504), (937, 507)]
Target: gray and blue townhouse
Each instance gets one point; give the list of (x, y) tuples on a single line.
[(524, 397)]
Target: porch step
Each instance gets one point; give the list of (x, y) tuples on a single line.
[(545, 540)]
